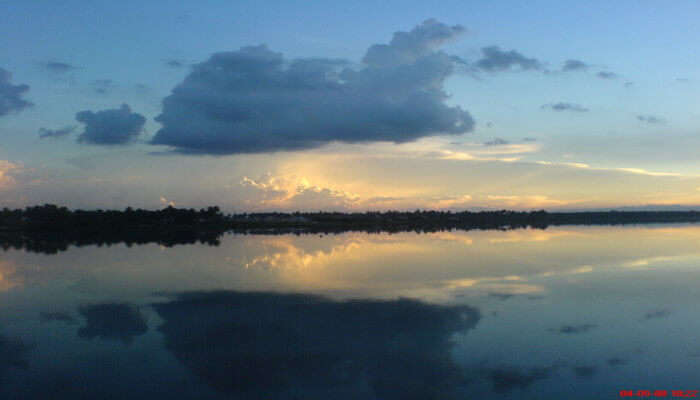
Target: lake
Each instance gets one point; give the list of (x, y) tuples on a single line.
[(564, 313)]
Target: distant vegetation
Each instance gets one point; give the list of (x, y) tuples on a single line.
[(50, 229)]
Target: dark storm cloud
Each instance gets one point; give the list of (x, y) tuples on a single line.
[(268, 345), (496, 142), (494, 59), (561, 106), (253, 100), (574, 329), (11, 95), (110, 321), (55, 133), (607, 75), (574, 65), (110, 127), (650, 119), (58, 67)]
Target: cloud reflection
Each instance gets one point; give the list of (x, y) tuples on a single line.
[(506, 379), (257, 345), (112, 321), (13, 354), (574, 329)]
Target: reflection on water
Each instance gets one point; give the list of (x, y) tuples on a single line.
[(265, 345), (112, 322), (571, 312)]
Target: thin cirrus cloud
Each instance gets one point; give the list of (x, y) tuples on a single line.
[(254, 101), (11, 95), (562, 106), (110, 127), (56, 133)]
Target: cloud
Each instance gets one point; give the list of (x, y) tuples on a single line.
[(102, 86), (650, 119), (561, 106), (173, 63), (110, 127), (58, 67), (448, 202), (254, 101), (529, 201), (574, 65), (54, 133), (11, 95), (111, 321), (574, 329), (657, 314), (494, 60), (607, 75), (289, 193), (165, 202), (268, 345), (7, 170), (496, 142)]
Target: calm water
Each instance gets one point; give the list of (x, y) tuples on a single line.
[(563, 313)]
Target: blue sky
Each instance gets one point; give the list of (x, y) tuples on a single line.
[(566, 139)]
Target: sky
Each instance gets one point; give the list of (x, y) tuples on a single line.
[(350, 106)]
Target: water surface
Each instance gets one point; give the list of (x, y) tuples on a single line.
[(566, 312)]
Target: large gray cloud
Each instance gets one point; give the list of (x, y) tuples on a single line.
[(110, 127), (11, 95), (253, 100), (494, 59)]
